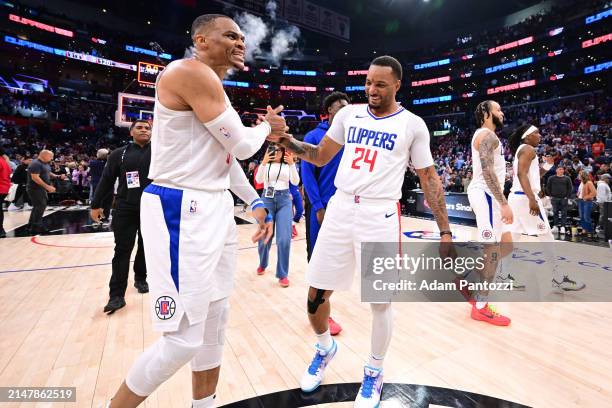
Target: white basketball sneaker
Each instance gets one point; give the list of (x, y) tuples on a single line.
[(371, 388), (313, 376)]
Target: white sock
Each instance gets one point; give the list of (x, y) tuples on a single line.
[(376, 362), (480, 305), (207, 402), (325, 340)]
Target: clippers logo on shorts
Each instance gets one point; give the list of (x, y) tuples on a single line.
[(541, 226), (225, 132), (487, 234), (165, 307), (193, 206)]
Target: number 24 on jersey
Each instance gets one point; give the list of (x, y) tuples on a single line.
[(364, 156)]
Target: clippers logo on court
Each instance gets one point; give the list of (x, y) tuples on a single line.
[(165, 307), (193, 206), (225, 132), (487, 234)]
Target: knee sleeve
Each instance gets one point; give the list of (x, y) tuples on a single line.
[(164, 357), (210, 353), (382, 328)]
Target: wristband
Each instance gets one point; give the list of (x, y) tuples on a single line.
[(268, 218), (446, 232), (257, 203)]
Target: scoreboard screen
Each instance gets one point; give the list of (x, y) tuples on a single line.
[(147, 72)]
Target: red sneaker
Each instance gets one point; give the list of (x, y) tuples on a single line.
[(334, 328), (293, 232), (284, 282), (490, 315), (260, 270)]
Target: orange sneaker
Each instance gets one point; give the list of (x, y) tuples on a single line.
[(260, 270), (334, 328), (284, 282), (490, 315)]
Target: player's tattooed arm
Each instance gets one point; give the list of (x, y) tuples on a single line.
[(486, 150), (434, 194), (319, 155)]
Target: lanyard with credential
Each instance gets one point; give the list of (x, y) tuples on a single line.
[(280, 168)]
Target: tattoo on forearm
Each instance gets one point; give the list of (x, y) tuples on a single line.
[(486, 150), (303, 150), (434, 194)]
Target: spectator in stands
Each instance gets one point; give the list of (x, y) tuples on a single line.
[(603, 195), (467, 180), (598, 148), (38, 186), (20, 177), (96, 167), (5, 185), (80, 179), (559, 188), (586, 195), (277, 170)]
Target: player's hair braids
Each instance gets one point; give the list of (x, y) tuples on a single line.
[(482, 111), (514, 141)]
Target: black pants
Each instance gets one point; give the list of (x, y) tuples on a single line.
[(39, 200), (126, 224), (21, 191), (559, 205), (309, 246), (2, 197)]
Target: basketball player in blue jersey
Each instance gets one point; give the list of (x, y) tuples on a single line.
[(530, 218), (187, 214), (380, 139)]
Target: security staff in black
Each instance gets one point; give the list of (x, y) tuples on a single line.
[(131, 165)]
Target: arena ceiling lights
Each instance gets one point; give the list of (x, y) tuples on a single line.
[(41, 26)]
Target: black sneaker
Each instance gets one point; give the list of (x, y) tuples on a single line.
[(115, 303), (143, 287), (2, 233)]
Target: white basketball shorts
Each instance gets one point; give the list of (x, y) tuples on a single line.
[(350, 221), (524, 222), (190, 247)]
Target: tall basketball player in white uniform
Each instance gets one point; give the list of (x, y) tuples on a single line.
[(379, 140), (187, 213), (488, 202), (530, 218)]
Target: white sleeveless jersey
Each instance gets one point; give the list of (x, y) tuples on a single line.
[(184, 154), (377, 150), (533, 175), (499, 165)]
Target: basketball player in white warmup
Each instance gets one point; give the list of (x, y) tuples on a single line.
[(187, 214), (488, 202), (529, 215), (379, 139)]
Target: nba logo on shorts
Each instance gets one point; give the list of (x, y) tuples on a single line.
[(225, 132), (193, 207), (165, 307)]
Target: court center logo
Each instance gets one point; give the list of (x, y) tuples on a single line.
[(165, 307)]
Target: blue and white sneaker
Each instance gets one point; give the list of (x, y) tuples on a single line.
[(371, 387), (313, 376)]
